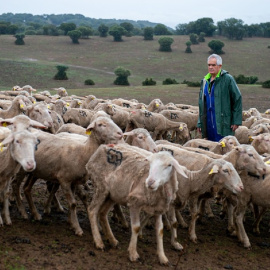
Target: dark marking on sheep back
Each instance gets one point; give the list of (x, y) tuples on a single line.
[(204, 148), (114, 157), (174, 116), (148, 114), (36, 146), (168, 150), (83, 113)]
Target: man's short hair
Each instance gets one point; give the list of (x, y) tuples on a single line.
[(217, 57)]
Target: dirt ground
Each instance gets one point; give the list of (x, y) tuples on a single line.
[(51, 244)]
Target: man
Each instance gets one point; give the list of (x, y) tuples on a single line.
[(220, 102)]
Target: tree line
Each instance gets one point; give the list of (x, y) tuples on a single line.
[(55, 25)]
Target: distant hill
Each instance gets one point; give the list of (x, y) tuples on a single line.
[(78, 19)]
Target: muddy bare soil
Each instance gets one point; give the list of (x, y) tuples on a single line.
[(50, 244)]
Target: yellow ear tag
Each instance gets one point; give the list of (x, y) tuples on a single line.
[(88, 132), (92, 98), (143, 108), (157, 105), (1, 147), (21, 106), (211, 171), (180, 128), (34, 102), (266, 112), (222, 143), (67, 104), (267, 162), (13, 88), (250, 139), (79, 103), (4, 124), (48, 106)]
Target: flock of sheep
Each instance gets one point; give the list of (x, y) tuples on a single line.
[(138, 155)]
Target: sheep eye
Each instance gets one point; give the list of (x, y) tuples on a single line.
[(226, 171), (251, 155)]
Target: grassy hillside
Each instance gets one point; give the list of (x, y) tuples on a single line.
[(96, 58)]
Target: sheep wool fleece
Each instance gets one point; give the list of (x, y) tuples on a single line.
[(227, 101)]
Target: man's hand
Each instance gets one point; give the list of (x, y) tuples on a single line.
[(199, 130), (234, 127)]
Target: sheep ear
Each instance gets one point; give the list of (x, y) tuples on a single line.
[(7, 140), (180, 169), (36, 124), (6, 122), (214, 169), (129, 133)]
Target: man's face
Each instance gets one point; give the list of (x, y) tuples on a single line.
[(213, 68)]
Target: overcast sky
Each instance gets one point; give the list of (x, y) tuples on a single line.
[(168, 12)]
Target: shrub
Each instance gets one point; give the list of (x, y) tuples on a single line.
[(122, 76), (89, 82), (194, 38), (168, 81), (191, 84), (188, 49), (19, 39), (216, 46), (241, 79), (61, 74), (165, 44), (149, 81), (266, 84)]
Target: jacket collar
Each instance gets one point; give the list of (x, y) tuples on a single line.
[(208, 76)]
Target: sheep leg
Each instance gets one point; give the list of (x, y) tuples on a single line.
[(67, 190), (240, 229), (93, 212), (193, 204), (53, 198), (230, 213), (143, 224), (181, 220), (120, 216), (16, 183), (103, 217), (159, 236), (28, 195), (208, 209), (6, 194), (256, 224), (135, 229), (173, 225)]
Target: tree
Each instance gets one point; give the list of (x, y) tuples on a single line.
[(188, 49), (181, 29), (19, 39), (12, 29), (205, 25), (201, 37), (86, 31), (74, 35), (194, 38), (129, 28), (103, 30), (148, 33), (117, 32), (165, 44), (216, 46), (232, 28), (66, 27), (161, 29), (61, 74), (122, 76)]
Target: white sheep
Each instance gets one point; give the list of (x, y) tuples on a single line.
[(123, 175)]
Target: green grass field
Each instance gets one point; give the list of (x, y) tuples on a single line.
[(96, 58)]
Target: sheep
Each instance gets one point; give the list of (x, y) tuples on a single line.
[(124, 103), (123, 175), (19, 153), (5, 104), (81, 117), (154, 122), (27, 88), (141, 138), (91, 102), (261, 143), (72, 128), (55, 155), (18, 105), (242, 135), (190, 119), (243, 157), (250, 121), (61, 91), (223, 146), (154, 105), (4, 132)]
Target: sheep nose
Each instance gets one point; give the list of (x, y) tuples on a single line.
[(30, 165)]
